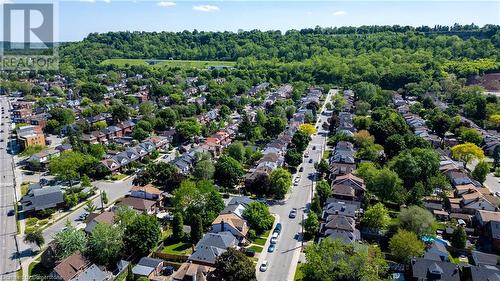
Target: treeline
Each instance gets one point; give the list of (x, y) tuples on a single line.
[(294, 45)]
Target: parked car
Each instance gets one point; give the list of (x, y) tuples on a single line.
[(296, 181), (250, 253), (11, 212), (310, 160), (314, 147), (497, 193), (293, 213), (264, 266), (306, 154), (271, 248), (301, 169), (277, 229)]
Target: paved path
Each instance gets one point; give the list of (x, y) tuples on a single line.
[(8, 261), (283, 261)]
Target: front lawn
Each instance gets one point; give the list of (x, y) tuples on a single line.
[(179, 248), (260, 241), (256, 248)]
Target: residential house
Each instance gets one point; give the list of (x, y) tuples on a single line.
[(232, 223), (93, 219), (348, 187), (431, 270), (139, 204), (211, 246), (437, 251), (39, 199), (148, 192), (189, 271), (70, 267), (481, 273), (148, 267)]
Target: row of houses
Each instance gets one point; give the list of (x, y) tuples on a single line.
[(115, 163)]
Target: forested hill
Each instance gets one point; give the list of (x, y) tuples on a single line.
[(290, 46)]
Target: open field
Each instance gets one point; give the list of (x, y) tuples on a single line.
[(168, 63)]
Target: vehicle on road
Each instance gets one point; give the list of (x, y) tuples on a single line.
[(314, 147), (293, 213), (277, 229), (301, 169), (296, 181), (306, 154), (11, 212), (497, 194), (271, 248), (264, 266), (310, 160), (82, 216)]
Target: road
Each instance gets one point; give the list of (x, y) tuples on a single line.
[(283, 261), (8, 262)]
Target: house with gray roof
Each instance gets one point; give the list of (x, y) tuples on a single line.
[(39, 199), (425, 269), (93, 273), (148, 267), (211, 246)]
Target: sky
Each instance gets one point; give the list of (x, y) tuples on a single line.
[(76, 19)]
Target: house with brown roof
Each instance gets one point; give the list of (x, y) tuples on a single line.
[(189, 271), (348, 187), (232, 223), (96, 218), (146, 192), (140, 205), (484, 217), (70, 267)]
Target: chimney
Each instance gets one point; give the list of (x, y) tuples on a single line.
[(222, 225)]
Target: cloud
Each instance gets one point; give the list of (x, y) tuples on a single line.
[(206, 8), (166, 4), (340, 13), (6, 2)]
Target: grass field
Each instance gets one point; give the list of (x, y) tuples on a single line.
[(179, 248), (167, 63)]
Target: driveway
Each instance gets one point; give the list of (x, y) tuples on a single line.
[(283, 261)]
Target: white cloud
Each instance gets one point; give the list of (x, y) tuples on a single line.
[(206, 8), (6, 2), (166, 4), (340, 13)]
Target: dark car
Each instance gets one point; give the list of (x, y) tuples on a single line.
[(271, 248), (301, 169), (277, 229), (310, 160), (11, 212), (250, 253)]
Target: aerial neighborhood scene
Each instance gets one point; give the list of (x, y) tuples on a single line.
[(250, 140)]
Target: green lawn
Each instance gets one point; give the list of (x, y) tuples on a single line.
[(179, 248), (167, 63), (36, 271), (260, 241), (256, 248)]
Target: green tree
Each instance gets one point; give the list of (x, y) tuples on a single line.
[(481, 171), (196, 229), (376, 217), (187, 129), (119, 111), (300, 140), (90, 207), (198, 198), (178, 227), (459, 238), (293, 157), (274, 126), (237, 151), (204, 170), (69, 164), (316, 205), (387, 185), (69, 241), (311, 225), (124, 215), (142, 234), (35, 237), (416, 220), (404, 245), (106, 244), (258, 216), (334, 260), (228, 171), (280, 182), (471, 135), (415, 165), (233, 265)]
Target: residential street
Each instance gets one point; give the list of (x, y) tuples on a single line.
[(9, 263), (283, 261)]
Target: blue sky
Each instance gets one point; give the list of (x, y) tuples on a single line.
[(78, 18)]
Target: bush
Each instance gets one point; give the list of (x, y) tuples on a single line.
[(31, 222)]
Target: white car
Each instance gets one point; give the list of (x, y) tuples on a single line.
[(296, 181), (274, 238), (264, 266)]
